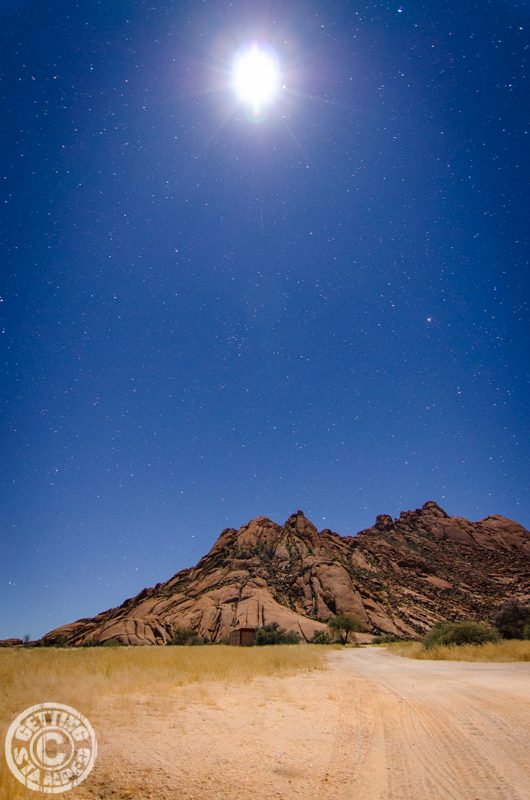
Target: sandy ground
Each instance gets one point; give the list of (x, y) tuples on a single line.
[(373, 726)]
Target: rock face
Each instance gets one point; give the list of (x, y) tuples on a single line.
[(399, 577)]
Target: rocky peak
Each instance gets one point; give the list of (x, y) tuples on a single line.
[(300, 526), (299, 523), (429, 510), (256, 532), (431, 507), (383, 522)]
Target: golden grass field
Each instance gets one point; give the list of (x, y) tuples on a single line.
[(30, 676), (508, 650), (83, 677), (331, 723)]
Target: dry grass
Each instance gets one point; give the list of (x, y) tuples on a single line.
[(84, 677), (29, 676), (504, 651)]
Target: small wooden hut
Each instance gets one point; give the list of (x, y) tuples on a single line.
[(243, 637)]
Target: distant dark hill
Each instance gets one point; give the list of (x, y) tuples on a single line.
[(399, 576)]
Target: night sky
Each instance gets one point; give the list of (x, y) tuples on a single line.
[(210, 314)]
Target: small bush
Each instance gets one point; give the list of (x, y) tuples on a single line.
[(459, 633), (186, 637), (386, 638), (56, 641), (273, 634), (513, 620), (112, 643), (321, 637)]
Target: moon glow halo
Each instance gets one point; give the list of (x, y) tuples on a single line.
[(256, 78)]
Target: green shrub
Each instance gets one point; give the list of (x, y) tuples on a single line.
[(345, 625), (112, 643), (187, 637), (513, 620), (458, 633), (386, 638), (273, 634), (321, 637), (56, 641)]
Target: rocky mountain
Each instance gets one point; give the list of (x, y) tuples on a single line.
[(400, 576)]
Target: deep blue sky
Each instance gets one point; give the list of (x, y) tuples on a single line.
[(205, 319)]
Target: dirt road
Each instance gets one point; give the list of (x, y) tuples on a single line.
[(374, 726)]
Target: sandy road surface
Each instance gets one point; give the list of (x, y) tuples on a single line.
[(373, 726)]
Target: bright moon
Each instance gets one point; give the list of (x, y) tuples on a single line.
[(256, 77)]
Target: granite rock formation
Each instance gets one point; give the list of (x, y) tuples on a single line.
[(399, 576)]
